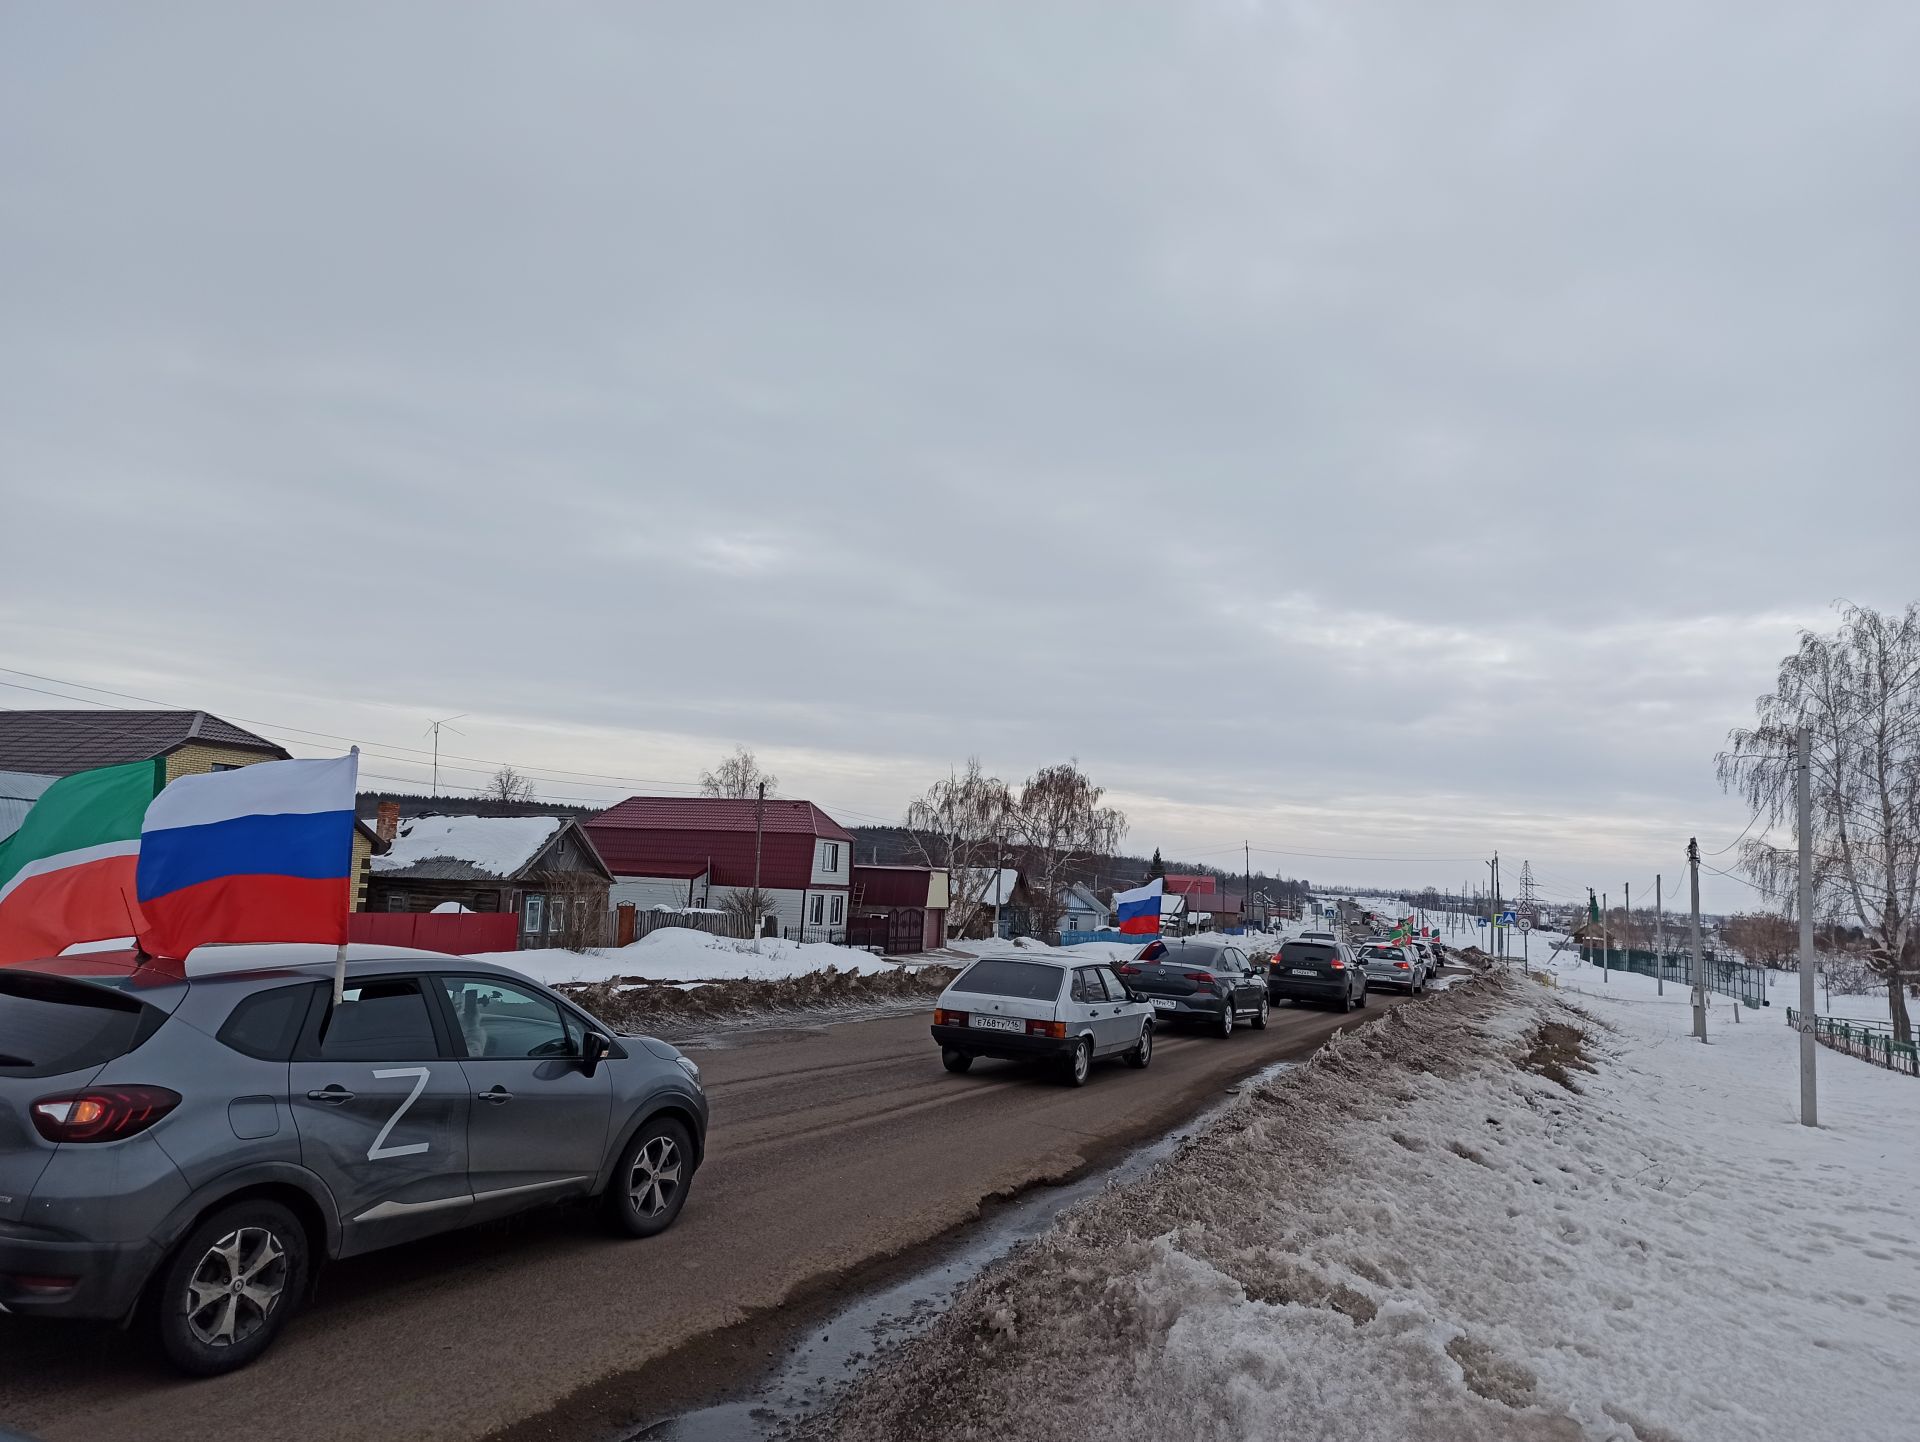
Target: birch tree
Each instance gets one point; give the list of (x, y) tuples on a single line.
[(738, 778), (1858, 691), (1060, 824), (961, 823), (507, 784)]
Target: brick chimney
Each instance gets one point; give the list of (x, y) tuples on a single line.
[(387, 821)]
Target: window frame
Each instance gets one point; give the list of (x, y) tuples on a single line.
[(837, 912), (556, 914), (830, 857), (818, 909), (533, 912)]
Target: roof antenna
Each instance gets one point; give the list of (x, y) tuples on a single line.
[(140, 954), (433, 729)]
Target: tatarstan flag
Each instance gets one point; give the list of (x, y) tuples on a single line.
[(67, 874)]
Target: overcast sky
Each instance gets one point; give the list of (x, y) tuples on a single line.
[(1389, 429)]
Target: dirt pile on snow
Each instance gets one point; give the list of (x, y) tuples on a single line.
[(648, 1007), (1488, 1218)]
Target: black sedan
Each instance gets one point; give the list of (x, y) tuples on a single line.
[(1201, 981), (1317, 971)]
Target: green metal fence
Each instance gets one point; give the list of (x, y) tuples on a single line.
[(1869, 1040), (1746, 984)]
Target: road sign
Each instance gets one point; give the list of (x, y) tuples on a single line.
[(1525, 925), (1481, 919), (1506, 918)]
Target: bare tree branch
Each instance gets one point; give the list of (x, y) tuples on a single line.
[(737, 778)]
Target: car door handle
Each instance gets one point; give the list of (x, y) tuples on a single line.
[(495, 1095), (332, 1095)]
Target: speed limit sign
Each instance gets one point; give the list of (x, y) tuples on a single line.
[(1525, 924)]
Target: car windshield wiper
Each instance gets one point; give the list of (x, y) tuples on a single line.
[(6, 1060)]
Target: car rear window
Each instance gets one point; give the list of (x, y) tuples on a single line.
[(1306, 951), (1021, 979), (50, 1026)]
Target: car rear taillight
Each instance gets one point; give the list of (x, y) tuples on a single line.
[(1401, 966), (102, 1114), (1337, 964), (1055, 1029), (1127, 970), (943, 1017)]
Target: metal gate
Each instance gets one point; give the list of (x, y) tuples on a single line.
[(895, 932)]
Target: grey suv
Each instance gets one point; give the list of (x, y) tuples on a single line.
[(189, 1145)]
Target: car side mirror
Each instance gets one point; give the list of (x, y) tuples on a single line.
[(594, 1047)]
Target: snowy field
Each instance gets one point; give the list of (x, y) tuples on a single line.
[(681, 955), (1417, 1236)]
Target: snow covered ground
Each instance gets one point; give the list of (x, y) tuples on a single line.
[(679, 954), (1424, 1235)]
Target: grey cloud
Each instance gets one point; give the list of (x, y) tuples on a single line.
[(1384, 430)]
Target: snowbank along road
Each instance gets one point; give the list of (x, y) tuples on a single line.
[(1497, 1218), (833, 1146)]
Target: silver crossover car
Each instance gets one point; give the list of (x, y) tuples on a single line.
[(188, 1145)]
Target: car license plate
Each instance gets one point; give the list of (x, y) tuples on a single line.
[(1160, 1004), (1305, 971), (996, 1023)]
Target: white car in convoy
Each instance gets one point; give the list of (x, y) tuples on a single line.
[(1042, 1008), (1393, 964)]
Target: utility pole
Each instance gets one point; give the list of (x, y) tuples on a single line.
[(759, 830), (1693, 936), (1659, 941), (1606, 942), (1493, 906), (1628, 963), (1246, 905), (1803, 785)]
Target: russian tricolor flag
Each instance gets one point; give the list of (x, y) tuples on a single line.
[(262, 853), (1139, 909)]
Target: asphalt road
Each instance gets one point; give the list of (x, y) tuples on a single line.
[(834, 1147)]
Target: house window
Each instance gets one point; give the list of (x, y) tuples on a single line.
[(397, 901), (557, 919), (819, 908), (839, 905), (830, 856), (222, 766), (533, 908)]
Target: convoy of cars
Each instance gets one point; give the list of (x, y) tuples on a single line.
[(187, 1146), (1061, 1009)]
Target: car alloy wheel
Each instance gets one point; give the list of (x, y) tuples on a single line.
[(234, 1288), (651, 1178), (1260, 1017), (1225, 1027), (654, 1179), (1143, 1053), (230, 1287), (1081, 1065)]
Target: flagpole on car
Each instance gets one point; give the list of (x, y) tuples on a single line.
[(340, 952)]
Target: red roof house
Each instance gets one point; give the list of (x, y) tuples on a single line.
[(1190, 885), (654, 844)]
